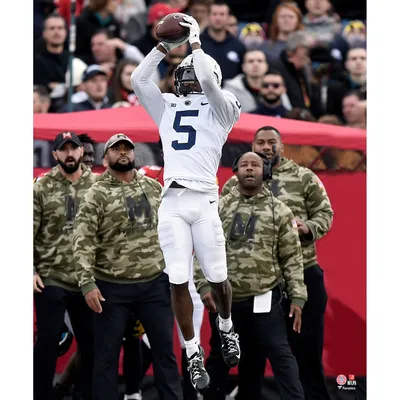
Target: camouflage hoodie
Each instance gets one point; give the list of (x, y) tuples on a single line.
[(55, 202), (303, 192), (262, 247), (115, 238)]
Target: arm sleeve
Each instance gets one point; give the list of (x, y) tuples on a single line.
[(291, 259), (37, 213), (146, 90), (319, 209), (225, 105), (37, 210), (84, 240)]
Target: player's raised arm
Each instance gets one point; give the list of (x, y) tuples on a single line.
[(146, 90), (224, 105)]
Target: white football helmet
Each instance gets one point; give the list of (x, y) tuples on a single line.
[(185, 76)]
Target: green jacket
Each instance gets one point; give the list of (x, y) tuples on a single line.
[(55, 202), (116, 238)]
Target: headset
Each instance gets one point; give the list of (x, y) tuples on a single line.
[(267, 164)]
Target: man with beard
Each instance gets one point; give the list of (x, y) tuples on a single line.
[(120, 266), (264, 263), (55, 285), (304, 193), (272, 88)]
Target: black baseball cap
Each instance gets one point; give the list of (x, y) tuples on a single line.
[(65, 137), (119, 137), (91, 71)]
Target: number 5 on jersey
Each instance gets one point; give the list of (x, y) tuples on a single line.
[(184, 129)]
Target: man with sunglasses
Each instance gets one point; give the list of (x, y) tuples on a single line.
[(272, 88)]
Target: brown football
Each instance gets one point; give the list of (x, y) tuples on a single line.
[(168, 28)]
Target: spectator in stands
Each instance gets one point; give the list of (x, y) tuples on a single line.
[(95, 84), (356, 66), (98, 14), (41, 10), (217, 42), (286, 19), (355, 109), (199, 10), (294, 64), (51, 65), (156, 13), (253, 37), (272, 88), (232, 25), (107, 51), (322, 25), (41, 100), (246, 87), (121, 88), (355, 34)]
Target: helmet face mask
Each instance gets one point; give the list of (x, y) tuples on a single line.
[(186, 81)]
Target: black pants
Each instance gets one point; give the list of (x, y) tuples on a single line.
[(307, 346), (151, 303), (261, 336), (50, 306)]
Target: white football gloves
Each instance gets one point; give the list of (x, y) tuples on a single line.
[(191, 23), (172, 45)]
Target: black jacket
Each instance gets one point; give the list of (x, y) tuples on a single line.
[(49, 67), (86, 25), (228, 54), (292, 79)]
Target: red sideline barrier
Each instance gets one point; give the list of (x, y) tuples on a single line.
[(342, 255), (137, 124)]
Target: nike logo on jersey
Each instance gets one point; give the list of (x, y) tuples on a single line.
[(212, 201), (203, 104), (238, 105)]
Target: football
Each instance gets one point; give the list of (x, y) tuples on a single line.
[(168, 28)]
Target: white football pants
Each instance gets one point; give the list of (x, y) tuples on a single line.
[(187, 221)]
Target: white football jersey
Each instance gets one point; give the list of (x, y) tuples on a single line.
[(192, 136)]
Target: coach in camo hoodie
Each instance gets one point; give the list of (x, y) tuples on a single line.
[(303, 192), (55, 200)]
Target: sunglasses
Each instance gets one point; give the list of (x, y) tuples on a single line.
[(274, 85)]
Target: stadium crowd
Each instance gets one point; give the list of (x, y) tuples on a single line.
[(302, 60)]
